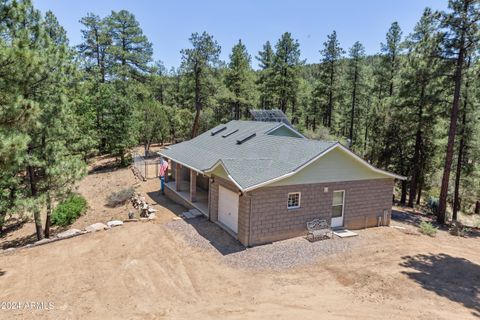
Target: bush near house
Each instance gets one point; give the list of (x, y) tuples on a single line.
[(118, 198), (428, 229), (69, 210)]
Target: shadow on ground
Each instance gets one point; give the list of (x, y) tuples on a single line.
[(165, 202), (19, 242), (415, 220), (454, 278), (221, 240), (406, 217)]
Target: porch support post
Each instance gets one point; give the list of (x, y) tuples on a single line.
[(193, 185), (177, 176)]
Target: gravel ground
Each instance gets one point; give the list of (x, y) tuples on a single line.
[(291, 253)]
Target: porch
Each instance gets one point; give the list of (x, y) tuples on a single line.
[(188, 187)]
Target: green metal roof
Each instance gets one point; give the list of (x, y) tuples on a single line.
[(258, 159)]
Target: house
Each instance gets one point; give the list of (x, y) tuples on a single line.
[(262, 181)]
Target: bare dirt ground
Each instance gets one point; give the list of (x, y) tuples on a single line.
[(152, 270)]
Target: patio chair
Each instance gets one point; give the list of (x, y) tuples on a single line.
[(318, 229)]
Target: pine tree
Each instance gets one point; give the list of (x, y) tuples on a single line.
[(327, 88), (461, 38), (152, 122), (130, 51), (198, 65), (265, 80), (93, 50), (239, 80), (357, 55), (286, 74), (38, 83), (391, 51), (421, 92)]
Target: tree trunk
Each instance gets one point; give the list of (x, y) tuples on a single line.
[(461, 148), (294, 112), (330, 101), (237, 111), (196, 124), (416, 156), (198, 102), (49, 213), (442, 206), (392, 74), (477, 207), (36, 211), (354, 98), (419, 195), (365, 142), (403, 197)]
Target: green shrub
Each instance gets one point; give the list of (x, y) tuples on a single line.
[(432, 204), (69, 210), (118, 198), (428, 229)]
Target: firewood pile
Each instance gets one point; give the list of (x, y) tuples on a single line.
[(139, 203)]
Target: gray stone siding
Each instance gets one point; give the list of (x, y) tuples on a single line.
[(365, 202)]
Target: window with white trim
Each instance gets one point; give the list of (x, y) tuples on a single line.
[(293, 200)]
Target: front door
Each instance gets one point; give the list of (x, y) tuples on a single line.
[(338, 204)]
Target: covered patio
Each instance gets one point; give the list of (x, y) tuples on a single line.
[(188, 186)]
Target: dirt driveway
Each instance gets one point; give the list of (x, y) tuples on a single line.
[(171, 269), (150, 271)]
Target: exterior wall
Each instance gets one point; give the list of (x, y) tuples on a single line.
[(285, 132), (365, 201), (243, 208), (220, 172), (178, 199), (335, 166), (202, 182)]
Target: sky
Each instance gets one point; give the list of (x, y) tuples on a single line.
[(169, 24)]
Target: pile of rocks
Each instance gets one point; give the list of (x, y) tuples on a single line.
[(70, 233), (139, 203)]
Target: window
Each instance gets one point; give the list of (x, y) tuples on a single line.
[(337, 204), (293, 200)]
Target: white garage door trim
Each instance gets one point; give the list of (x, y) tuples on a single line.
[(228, 208)]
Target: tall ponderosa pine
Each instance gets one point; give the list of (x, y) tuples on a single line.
[(355, 70), (391, 51), (93, 49), (198, 65), (388, 76), (286, 74), (461, 38), (265, 77), (21, 65), (421, 93), (239, 80), (40, 84), (130, 51), (327, 89)]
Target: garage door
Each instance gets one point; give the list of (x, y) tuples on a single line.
[(228, 208)]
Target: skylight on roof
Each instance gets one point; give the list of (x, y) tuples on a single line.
[(229, 133), (218, 130), (245, 138)]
